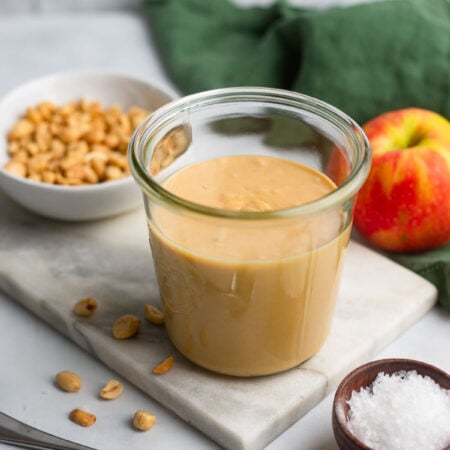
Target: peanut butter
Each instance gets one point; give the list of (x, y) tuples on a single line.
[(248, 297)]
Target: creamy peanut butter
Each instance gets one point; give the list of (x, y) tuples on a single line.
[(247, 297)]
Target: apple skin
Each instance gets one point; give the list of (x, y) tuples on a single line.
[(404, 205)]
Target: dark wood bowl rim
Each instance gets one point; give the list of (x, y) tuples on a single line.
[(388, 366)]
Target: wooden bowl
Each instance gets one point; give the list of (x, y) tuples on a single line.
[(364, 376)]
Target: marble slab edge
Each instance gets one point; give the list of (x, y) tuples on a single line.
[(259, 423)]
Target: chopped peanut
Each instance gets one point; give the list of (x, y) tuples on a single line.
[(153, 314), (85, 307), (16, 168), (68, 381), (163, 367), (126, 326), (82, 418), (143, 420), (53, 144), (111, 390), (21, 129)]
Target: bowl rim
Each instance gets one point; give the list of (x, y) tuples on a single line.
[(82, 73), (89, 72), (338, 412)]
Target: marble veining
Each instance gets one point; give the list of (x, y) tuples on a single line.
[(47, 266)]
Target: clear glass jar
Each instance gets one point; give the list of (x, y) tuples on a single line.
[(252, 308)]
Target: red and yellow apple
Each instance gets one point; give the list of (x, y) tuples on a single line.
[(404, 205)]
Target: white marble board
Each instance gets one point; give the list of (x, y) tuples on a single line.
[(47, 266)]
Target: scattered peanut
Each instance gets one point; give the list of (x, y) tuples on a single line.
[(68, 381), (126, 326), (82, 418), (111, 390), (143, 420), (85, 307), (153, 314), (58, 142), (163, 367)]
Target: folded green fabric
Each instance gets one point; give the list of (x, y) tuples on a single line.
[(433, 265), (365, 59)]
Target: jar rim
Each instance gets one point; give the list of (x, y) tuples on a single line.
[(338, 118)]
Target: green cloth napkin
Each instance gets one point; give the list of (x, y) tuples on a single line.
[(433, 265), (365, 59)]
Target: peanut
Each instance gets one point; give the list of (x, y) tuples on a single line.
[(98, 165), (85, 307), (111, 390), (96, 136), (13, 148), (48, 177), (143, 420), (21, 129), (153, 314), (38, 163), (76, 171), (112, 173), (22, 157), (126, 326), (112, 140), (16, 168), (118, 159), (34, 115), (35, 177), (66, 136), (163, 367), (68, 381), (82, 418), (90, 175), (46, 109), (32, 148), (69, 135)]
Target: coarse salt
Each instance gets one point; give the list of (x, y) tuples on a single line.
[(402, 411)]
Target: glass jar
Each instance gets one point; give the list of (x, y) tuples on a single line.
[(260, 300)]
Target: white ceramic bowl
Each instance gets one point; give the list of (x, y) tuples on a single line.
[(75, 203)]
